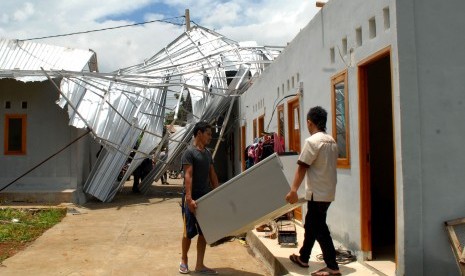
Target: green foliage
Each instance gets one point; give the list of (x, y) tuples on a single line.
[(186, 107), (20, 226)]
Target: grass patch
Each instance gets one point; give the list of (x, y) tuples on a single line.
[(19, 227)]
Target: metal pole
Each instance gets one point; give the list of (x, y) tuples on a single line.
[(188, 21)]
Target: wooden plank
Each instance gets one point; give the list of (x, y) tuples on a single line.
[(462, 258), (455, 222), (458, 251)]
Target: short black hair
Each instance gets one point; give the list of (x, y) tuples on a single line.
[(318, 116), (201, 126)]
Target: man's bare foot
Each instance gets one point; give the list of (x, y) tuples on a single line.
[(205, 270)]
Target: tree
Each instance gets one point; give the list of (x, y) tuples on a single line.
[(184, 110)]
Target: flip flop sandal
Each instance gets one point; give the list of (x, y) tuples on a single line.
[(183, 268), (325, 272), (263, 228), (296, 259)]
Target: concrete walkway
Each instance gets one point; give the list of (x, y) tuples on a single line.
[(140, 235), (134, 235)]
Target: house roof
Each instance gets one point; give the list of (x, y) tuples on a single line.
[(17, 57), (119, 106)]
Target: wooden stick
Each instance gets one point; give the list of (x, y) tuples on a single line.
[(462, 258)]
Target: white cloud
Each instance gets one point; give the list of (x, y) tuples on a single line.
[(270, 22), (222, 14), (24, 12)]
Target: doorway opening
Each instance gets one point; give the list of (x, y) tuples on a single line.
[(378, 212)]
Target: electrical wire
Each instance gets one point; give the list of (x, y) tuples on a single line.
[(109, 28), (48, 158), (274, 109)]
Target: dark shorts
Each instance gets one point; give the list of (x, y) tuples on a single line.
[(191, 226)]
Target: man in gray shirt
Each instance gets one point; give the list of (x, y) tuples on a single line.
[(199, 179)]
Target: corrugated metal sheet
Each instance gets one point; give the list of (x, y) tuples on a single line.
[(130, 103), (123, 107), (117, 115), (27, 55)]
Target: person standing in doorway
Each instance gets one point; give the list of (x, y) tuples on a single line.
[(318, 162), (199, 179)]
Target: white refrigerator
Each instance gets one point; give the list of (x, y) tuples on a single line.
[(251, 198)]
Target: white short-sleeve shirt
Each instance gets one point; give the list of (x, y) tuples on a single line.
[(320, 151)]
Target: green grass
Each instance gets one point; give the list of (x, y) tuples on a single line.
[(19, 227)]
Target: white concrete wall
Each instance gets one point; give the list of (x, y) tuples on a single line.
[(47, 132), (308, 55), (432, 85), (428, 68)]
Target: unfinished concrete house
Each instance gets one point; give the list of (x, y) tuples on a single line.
[(38, 161)]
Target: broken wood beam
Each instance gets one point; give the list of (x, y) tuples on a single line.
[(320, 4)]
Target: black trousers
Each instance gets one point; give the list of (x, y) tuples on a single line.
[(316, 229), (164, 178)]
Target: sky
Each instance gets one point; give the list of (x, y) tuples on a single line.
[(268, 22)]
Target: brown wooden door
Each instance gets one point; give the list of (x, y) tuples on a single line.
[(261, 125), (294, 127)]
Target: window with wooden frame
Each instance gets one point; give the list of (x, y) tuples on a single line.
[(15, 134), (281, 122), (254, 125), (340, 117)]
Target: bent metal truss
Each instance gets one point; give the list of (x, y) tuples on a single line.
[(120, 107)]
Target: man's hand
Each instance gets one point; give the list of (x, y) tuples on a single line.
[(299, 175), (292, 197), (191, 205)]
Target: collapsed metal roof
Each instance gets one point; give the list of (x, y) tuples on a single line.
[(16, 55), (120, 107)]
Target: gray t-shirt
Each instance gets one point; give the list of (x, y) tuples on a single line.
[(200, 162)]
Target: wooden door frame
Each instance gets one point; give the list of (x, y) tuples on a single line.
[(364, 144), (289, 116)]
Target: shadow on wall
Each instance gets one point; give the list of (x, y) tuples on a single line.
[(346, 242)]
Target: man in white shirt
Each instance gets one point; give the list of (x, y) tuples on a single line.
[(318, 162)]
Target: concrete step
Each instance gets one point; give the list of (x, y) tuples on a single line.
[(276, 256), (43, 196)]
